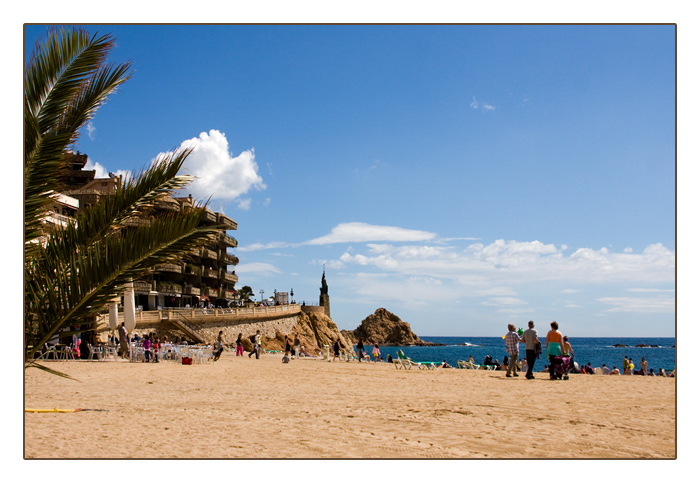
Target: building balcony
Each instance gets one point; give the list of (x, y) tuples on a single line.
[(206, 253), (209, 216), (228, 241), (167, 204), (210, 292), (228, 276), (191, 291), (227, 222), (229, 294), (166, 287), (169, 267), (143, 286), (229, 259), (193, 270), (210, 273)]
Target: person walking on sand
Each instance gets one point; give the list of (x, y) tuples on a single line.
[(644, 367), (219, 346), (375, 352), (554, 343), (258, 344), (336, 350), (123, 341), (512, 341), (360, 350), (297, 346), (256, 339), (531, 340), (239, 345)]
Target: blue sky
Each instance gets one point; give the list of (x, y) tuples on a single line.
[(463, 177)]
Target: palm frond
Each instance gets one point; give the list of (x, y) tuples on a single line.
[(34, 364)]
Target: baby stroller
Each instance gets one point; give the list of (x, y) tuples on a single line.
[(561, 367)]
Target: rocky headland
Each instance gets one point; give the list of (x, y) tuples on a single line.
[(314, 329), (385, 328)]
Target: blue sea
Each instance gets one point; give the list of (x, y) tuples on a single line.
[(596, 350)]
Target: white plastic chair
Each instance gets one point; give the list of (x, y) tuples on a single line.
[(206, 355)]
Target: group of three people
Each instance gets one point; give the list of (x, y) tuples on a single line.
[(556, 345)]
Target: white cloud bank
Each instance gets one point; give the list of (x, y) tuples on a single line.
[(220, 175), (514, 262), (364, 232)]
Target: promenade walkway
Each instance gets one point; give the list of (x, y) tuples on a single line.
[(194, 315)]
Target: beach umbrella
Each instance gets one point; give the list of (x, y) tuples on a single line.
[(113, 315), (129, 307)]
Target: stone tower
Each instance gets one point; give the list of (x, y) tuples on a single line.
[(324, 300)]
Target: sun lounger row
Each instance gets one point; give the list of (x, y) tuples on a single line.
[(471, 365), (403, 362)]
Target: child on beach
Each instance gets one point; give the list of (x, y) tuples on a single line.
[(375, 352), (146, 348), (239, 345)]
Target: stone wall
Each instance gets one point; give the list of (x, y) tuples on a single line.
[(209, 330)]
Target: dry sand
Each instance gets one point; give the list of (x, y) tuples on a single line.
[(246, 408)]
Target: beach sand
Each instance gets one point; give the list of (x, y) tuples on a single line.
[(246, 408)]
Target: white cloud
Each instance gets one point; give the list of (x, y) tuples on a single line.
[(263, 246), (91, 130), (101, 171), (364, 232), (665, 305), (652, 290), (500, 301), (507, 263), (219, 175), (244, 204), (257, 268), (483, 105)]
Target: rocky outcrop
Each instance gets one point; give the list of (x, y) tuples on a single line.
[(385, 328), (315, 330)]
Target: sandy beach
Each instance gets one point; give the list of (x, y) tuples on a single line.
[(246, 408)]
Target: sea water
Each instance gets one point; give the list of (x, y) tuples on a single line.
[(596, 350)]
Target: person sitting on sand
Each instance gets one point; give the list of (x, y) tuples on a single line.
[(615, 371), (285, 358), (605, 369), (445, 365), (651, 372)]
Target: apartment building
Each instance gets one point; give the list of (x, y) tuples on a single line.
[(205, 277)]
